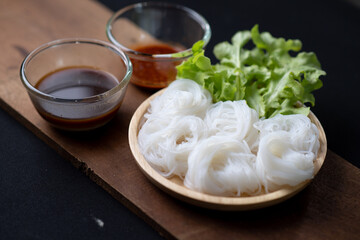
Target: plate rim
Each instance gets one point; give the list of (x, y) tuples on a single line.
[(212, 201)]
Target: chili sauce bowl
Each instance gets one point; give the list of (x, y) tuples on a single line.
[(157, 37)]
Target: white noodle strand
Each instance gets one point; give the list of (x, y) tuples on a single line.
[(287, 148), (173, 127), (222, 166), (233, 120), (223, 148), (181, 97)]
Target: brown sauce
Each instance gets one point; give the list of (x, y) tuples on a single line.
[(80, 124), (77, 83), (153, 74)]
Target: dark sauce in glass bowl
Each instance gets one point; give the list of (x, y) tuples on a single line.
[(77, 83)]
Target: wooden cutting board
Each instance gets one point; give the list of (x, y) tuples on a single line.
[(327, 209)]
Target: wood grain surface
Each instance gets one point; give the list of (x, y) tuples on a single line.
[(327, 209)]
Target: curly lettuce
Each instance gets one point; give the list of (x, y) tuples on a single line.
[(266, 75)]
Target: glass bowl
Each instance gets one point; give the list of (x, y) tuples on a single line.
[(150, 33), (76, 84)]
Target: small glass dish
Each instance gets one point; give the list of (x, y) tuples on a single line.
[(76, 84), (157, 37)]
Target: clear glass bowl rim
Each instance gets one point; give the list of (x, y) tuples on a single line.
[(122, 82), (179, 55)]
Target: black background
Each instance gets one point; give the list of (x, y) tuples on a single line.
[(53, 200)]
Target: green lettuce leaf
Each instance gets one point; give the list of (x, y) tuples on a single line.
[(266, 75)]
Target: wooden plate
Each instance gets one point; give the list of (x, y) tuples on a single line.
[(174, 186)]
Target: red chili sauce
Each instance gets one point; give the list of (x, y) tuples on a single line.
[(154, 74)]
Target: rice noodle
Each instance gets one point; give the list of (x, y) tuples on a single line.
[(181, 97), (287, 148), (223, 148), (167, 147), (173, 127), (233, 119), (222, 166)]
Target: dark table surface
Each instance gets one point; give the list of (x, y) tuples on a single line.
[(53, 200)]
